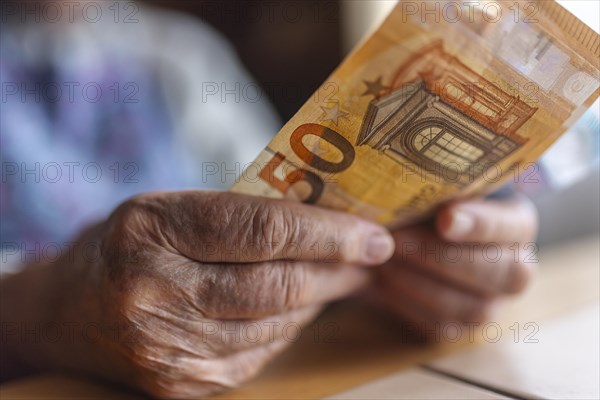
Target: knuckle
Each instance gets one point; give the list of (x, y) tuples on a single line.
[(258, 289), (236, 291), (293, 283), (275, 226), (130, 214), (216, 216), (248, 225), (267, 223), (125, 235), (251, 225), (221, 289)]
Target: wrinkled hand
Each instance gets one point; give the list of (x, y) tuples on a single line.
[(179, 271), (460, 269)]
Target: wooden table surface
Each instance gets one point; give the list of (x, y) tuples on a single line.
[(351, 345)]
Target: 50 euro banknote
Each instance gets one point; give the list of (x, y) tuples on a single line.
[(444, 100)]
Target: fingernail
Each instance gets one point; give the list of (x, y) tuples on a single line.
[(380, 247), (461, 225)]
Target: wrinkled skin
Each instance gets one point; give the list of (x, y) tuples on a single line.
[(175, 267), (175, 271)]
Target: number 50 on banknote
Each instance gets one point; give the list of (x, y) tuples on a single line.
[(444, 100)]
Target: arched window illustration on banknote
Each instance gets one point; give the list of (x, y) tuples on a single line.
[(442, 116)]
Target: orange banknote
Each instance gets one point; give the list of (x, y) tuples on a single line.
[(444, 100)]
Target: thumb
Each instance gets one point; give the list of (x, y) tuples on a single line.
[(513, 219)]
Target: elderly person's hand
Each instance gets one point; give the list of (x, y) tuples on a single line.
[(191, 292), (460, 269)]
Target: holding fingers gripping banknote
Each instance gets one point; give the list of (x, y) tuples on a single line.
[(435, 105)]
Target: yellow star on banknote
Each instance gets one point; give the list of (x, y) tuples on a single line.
[(333, 113), (374, 88)]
